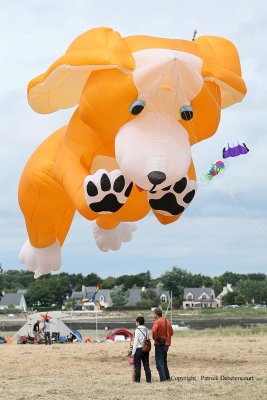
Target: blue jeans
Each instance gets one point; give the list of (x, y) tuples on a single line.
[(47, 336), (161, 362)]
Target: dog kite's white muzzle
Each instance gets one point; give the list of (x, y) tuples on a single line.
[(153, 149)]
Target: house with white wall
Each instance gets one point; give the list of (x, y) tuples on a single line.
[(226, 289), (200, 298), (13, 299)]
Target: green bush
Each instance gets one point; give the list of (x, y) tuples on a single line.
[(7, 311), (125, 308), (44, 309)]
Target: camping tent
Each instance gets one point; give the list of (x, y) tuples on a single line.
[(120, 334), (57, 325)]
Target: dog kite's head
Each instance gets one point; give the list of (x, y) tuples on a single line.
[(148, 99)]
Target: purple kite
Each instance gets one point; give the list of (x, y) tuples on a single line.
[(235, 151)]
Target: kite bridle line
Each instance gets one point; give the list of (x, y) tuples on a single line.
[(227, 192), (193, 137)]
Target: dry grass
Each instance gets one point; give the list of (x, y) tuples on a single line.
[(101, 370)]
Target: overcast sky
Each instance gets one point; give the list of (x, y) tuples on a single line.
[(225, 227)]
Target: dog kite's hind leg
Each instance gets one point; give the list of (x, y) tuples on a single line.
[(47, 209), (111, 239)]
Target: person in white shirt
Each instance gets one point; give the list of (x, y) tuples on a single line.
[(47, 331), (141, 334)]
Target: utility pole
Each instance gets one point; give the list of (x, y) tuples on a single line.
[(171, 307), (96, 325)]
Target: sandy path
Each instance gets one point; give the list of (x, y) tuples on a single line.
[(101, 371)]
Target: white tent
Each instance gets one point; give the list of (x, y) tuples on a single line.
[(57, 325)]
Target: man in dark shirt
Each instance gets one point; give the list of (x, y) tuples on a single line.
[(162, 332), (36, 331)]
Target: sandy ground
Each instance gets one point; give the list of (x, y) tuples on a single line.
[(101, 371)]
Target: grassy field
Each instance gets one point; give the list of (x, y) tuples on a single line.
[(213, 312), (201, 365), (260, 329), (234, 312), (195, 313), (148, 314)]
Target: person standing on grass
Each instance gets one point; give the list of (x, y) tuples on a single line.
[(47, 331), (162, 332), (36, 331), (140, 336)]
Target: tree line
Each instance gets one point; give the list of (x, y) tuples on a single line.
[(53, 289)]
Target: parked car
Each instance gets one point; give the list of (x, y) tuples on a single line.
[(180, 326), (260, 306), (232, 306)]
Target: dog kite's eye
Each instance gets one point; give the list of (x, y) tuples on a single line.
[(186, 112), (137, 106)]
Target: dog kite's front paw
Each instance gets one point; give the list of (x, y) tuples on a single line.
[(106, 192), (111, 239), (41, 261), (174, 199)]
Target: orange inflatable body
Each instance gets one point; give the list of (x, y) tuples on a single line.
[(142, 103)]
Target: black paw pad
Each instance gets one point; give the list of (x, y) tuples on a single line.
[(119, 184), (91, 189), (180, 186), (128, 190), (189, 196), (108, 203), (167, 203), (105, 183)]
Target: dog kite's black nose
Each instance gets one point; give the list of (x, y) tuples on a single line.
[(156, 177)]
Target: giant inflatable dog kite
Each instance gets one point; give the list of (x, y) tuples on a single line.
[(142, 103)]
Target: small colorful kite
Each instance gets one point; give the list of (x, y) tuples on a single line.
[(215, 169), (84, 300), (99, 305), (235, 151), (93, 299), (219, 166)]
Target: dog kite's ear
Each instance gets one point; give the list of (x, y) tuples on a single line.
[(62, 84), (222, 65)]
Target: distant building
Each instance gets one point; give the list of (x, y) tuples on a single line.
[(22, 291), (135, 295), (15, 299), (200, 298), (102, 296), (226, 289)]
